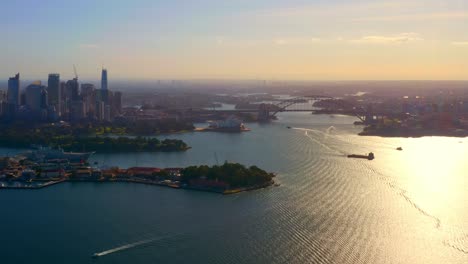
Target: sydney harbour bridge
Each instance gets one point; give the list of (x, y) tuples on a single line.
[(268, 110)]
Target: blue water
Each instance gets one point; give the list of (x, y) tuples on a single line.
[(403, 207)]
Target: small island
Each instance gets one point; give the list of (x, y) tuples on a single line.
[(227, 178)]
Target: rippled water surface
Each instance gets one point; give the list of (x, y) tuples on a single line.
[(403, 207)]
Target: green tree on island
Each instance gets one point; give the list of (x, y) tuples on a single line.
[(234, 174)]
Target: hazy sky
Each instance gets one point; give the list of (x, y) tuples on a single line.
[(236, 39)]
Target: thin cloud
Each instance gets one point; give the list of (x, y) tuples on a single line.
[(388, 39), (296, 41), (460, 43), (339, 9), (416, 17)]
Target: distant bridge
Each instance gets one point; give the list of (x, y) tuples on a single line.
[(268, 111)]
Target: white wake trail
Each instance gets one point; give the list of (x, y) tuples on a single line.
[(125, 247), (320, 143)]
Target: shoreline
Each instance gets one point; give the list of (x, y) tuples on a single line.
[(396, 134), (112, 152), (141, 181), (412, 134), (207, 129)]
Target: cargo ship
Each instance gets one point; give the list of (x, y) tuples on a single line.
[(369, 156)]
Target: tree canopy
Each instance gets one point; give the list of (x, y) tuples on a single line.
[(234, 174)]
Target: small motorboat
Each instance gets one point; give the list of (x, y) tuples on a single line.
[(399, 148), (289, 127)]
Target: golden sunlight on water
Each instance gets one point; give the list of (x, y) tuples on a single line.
[(436, 173)]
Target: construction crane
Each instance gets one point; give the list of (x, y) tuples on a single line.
[(76, 74)]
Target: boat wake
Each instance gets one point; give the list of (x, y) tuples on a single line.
[(125, 247), (333, 150)]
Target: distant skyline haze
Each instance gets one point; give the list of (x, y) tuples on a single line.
[(243, 39)]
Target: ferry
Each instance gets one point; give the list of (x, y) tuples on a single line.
[(370, 156)]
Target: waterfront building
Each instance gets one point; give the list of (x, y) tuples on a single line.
[(142, 171), (54, 92), (13, 93)]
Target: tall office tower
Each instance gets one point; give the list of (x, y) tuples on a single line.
[(88, 93), (72, 90), (107, 113), (63, 99), (117, 103), (54, 92), (77, 111), (104, 79), (100, 110), (102, 96), (35, 97), (44, 98), (14, 91), (3, 96), (3, 103), (23, 98), (63, 92), (87, 88)]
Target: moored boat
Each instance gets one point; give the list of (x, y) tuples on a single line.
[(44, 154)]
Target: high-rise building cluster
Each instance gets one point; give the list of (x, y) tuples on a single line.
[(60, 100)]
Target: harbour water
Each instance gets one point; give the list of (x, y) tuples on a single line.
[(405, 206)]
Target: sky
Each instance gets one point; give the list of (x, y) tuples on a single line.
[(236, 39)]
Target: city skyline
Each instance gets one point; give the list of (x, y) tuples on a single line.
[(297, 40), (60, 100)]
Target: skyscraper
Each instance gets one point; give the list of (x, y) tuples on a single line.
[(104, 79), (72, 89), (54, 93), (14, 91), (35, 97), (117, 103), (88, 93)]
